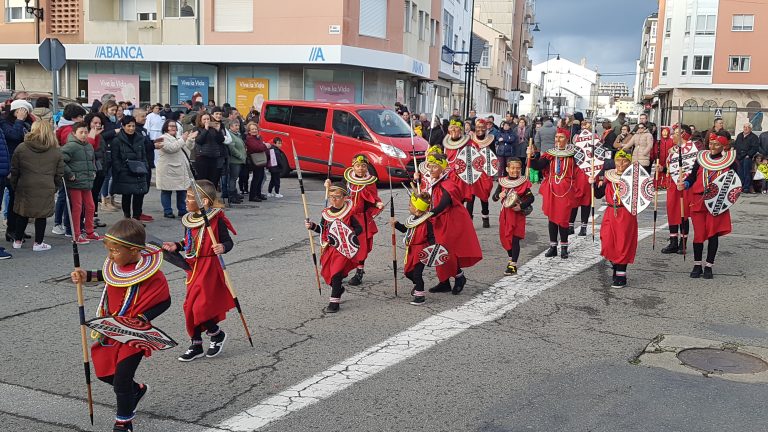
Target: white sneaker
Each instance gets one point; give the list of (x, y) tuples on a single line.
[(58, 229), (278, 195), (270, 194), (40, 247), (17, 244)]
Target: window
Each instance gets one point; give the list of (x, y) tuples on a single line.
[(447, 29), (743, 23), (668, 27), (146, 16), (705, 25), (664, 64), (14, 11), (653, 29), (309, 118), (684, 69), (408, 16), (138, 10), (345, 124), (702, 65), (456, 42), (485, 61), (651, 56), (421, 25), (232, 16), (426, 26), (432, 32), (278, 114), (373, 18), (179, 9), (738, 63), (687, 25)]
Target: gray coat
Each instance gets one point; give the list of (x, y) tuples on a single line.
[(545, 137), (36, 173)]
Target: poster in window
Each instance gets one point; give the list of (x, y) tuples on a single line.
[(189, 85), (250, 93), (334, 92), (124, 87)]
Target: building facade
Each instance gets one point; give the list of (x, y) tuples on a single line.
[(454, 53), (645, 65), (565, 87), (239, 51), (615, 89), (710, 63), (495, 73)]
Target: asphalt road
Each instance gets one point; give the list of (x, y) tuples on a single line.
[(561, 360)]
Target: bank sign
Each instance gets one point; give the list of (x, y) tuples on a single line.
[(119, 52)]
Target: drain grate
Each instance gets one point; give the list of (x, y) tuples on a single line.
[(720, 361)]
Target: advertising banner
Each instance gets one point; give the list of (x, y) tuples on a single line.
[(334, 92), (250, 92), (124, 87), (189, 85)]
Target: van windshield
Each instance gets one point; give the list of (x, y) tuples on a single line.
[(385, 122)]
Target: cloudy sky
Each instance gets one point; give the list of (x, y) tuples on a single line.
[(606, 32)]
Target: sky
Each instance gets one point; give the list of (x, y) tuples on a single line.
[(607, 32)]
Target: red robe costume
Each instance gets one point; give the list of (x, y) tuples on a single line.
[(674, 195), (364, 196), (618, 231), (150, 289), (416, 239), (560, 188), (331, 260), (483, 187), (453, 229), (208, 297), (704, 224), (511, 222), (452, 149)]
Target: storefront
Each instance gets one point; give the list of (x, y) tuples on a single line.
[(249, 86), (128, 81), (333, 85), (188, 80)]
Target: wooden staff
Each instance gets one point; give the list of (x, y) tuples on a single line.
[(306, 217), (592, 189), (413, 154), (330, 165), (80, 306), (392, 223), (682, 201), (527, 162), (656, 193)]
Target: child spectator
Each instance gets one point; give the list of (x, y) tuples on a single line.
[(79, 173), (273, 165)]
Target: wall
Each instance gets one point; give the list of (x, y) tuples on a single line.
[(741, 43)]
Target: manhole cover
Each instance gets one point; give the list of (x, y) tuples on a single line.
[(714, 360)]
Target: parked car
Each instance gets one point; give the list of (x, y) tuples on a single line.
[(373, 130), (10, 95)]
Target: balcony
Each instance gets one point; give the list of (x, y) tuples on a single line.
[(105, 24)]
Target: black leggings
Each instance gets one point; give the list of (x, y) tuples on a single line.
[(514, 253), (416, 276), (124, 385), (585, 210), (274, 181), (21, 225), (98, 182), (209, 168), (132, 202), (712, 245), (673, 229), (211, 326), (336, 288), (483, 205), (256, 182), (554, 229)]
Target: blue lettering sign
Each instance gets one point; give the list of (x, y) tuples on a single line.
[(128, 52), (316, 54), (417, 68), (188, 85)]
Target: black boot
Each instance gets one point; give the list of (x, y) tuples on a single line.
[(571, 230), (551, 252), (486, 222), (619, 282), (458, 284), (357, 279), (123, 427), (564, 252), (672, 247), (332, 308), (696, 272), (583, 231), (707, 273), (441, 287)]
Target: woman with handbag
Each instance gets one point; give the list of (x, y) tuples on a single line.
[(172, 172), (257, 155), (209, 149), (129, 168)]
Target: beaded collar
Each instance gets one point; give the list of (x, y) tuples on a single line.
[(485, 142), (329, 215), (195, 220), (350, 177), (413, 221), (508, 183), (561, 153), (612, 176), (706, 160), (450, 144), (150, 262)]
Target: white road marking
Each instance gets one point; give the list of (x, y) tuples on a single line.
[(510, 292)]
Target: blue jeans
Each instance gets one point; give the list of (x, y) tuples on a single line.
[(105, 185), (61, 215), (745, 174), (181, 201)]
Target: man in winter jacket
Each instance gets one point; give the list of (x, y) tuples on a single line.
[(764, 144), (545, 137), (5, 169), (747, 146)]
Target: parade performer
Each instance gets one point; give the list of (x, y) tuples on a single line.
[(710, 164), (453, 228), (559, 189), (366, 204), (584, 194), (484, 143), (339, 232), (453, 143), (666, 141), (135, 288), (208, 298), (618, 232), (420, 234), (678, 226), (517, 198)]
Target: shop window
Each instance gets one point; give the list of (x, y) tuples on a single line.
[(179, 9), (309, 118)]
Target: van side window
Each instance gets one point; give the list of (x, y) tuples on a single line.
[(346, 124), (309, 118), (278, 114)]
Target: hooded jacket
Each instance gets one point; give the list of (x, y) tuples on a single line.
[(545, 137), (79, 160), (643, 144), (36, 173)]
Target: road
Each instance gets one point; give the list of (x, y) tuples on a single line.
[(552, 349)]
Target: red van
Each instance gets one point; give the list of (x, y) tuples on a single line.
[(373, 130)]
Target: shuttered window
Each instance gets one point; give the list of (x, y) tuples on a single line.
[(373, 18), (233, 15)]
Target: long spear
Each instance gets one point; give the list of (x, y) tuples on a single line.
[(208, 228), (656, 192), (392, 223), (330, 165), (682, 202), (80, 307), (306, 217), (413, 154), (432, 124)]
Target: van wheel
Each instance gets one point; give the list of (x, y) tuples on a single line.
[(285, 169)]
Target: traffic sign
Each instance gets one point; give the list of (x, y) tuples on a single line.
[(718, 112), (52, 55)]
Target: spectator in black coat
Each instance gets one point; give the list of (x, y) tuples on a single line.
[(747, 145)]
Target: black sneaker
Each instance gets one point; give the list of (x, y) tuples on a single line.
[(418, 301), (551, 252), (138, 395), (619, 282), (217, 344), (486, 222), (511, 270), (571, 230), (672, 247), (123, 427), (708, 273), (583, 232), (98, 223), (357, 279), (696, 272), (255, 199), (441, 287), (169, 216), (195, 351), (332, 308), (564, 252), (458, 284)]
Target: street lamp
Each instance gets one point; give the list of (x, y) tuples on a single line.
[(520, 59), (37, 12)]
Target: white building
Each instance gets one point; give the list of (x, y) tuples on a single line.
[(456, 35), (645, 64), (566, 87)]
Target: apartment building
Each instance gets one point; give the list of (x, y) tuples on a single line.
[(616, 89), (454, 54), (645, 64), (495, 72), (565, 87), (240, 51), (710, 62)]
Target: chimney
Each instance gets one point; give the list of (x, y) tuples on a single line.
[(583, 62)]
